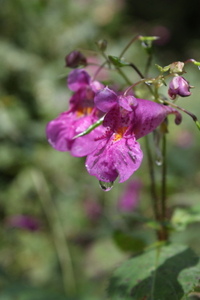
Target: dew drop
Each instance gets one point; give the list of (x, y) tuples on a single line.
[(159, 161), (106, 186)]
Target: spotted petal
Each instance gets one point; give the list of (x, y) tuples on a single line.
[(61, 131), (149, 115), (113, 159)]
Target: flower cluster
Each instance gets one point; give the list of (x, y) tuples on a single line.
[(111, 149)]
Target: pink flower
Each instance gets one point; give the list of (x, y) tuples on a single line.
[(179, 86), (130, 197), (128, 119), (23, 221), (81, 114)]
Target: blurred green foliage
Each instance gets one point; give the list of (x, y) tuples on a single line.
[(74, 250)]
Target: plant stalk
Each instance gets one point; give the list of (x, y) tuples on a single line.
[(58, 234)]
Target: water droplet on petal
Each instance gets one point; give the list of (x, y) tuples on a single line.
[(106, 186)]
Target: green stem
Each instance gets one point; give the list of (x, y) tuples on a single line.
[(99, 69), (154, 196), (164, 178), (164, 232), (185, 111), (137, 70), (123, 75), (148, 64), (142, 77), (129, 44), (58, 234)]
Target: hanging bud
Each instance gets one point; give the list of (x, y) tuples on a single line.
[(179, 86), (102, 45), (75, 59)]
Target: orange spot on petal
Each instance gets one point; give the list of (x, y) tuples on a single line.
[(84, 111), (119, 134)]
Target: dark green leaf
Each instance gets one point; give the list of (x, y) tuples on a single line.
[(167, 273)]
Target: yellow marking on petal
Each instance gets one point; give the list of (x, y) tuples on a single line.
[(119, 134), (84, 111)]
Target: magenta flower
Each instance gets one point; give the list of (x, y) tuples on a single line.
[(81, 114), (127, 119), (23, 221), (130, 197), (179, 86)]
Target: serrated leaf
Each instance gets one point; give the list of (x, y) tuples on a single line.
[(154, 275)]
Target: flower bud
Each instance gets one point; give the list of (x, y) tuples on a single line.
[(75, 59), (176, 67), (179, 86), (102, 44)]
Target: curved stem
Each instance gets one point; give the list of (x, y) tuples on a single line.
[(148, 64), (129, 44), (123, 75), (58, 234), (137, 70), (99, 69), (185, 111)]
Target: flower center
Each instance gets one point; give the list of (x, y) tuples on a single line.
[(119, 134), (84, 111)]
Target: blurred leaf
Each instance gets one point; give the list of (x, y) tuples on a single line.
[(182, 217), (128, 242), (170, 272), (24, 291)]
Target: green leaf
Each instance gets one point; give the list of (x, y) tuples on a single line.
[(90, 128), (117, 62), (168, 273), (163, 69), (182, 217), (128, 242), (148, 38), (147, 42)]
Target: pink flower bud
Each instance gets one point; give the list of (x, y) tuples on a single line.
[(179, 86), (75, 59)]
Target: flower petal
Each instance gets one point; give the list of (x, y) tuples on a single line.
[(59, 132), (127, 102), (77, 79), (105, 100), (149, 115), (113, 159), (86, 144)]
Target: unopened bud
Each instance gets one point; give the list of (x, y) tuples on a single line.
[(179, 86), (176, 67), (102, 45), (75, 59)]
